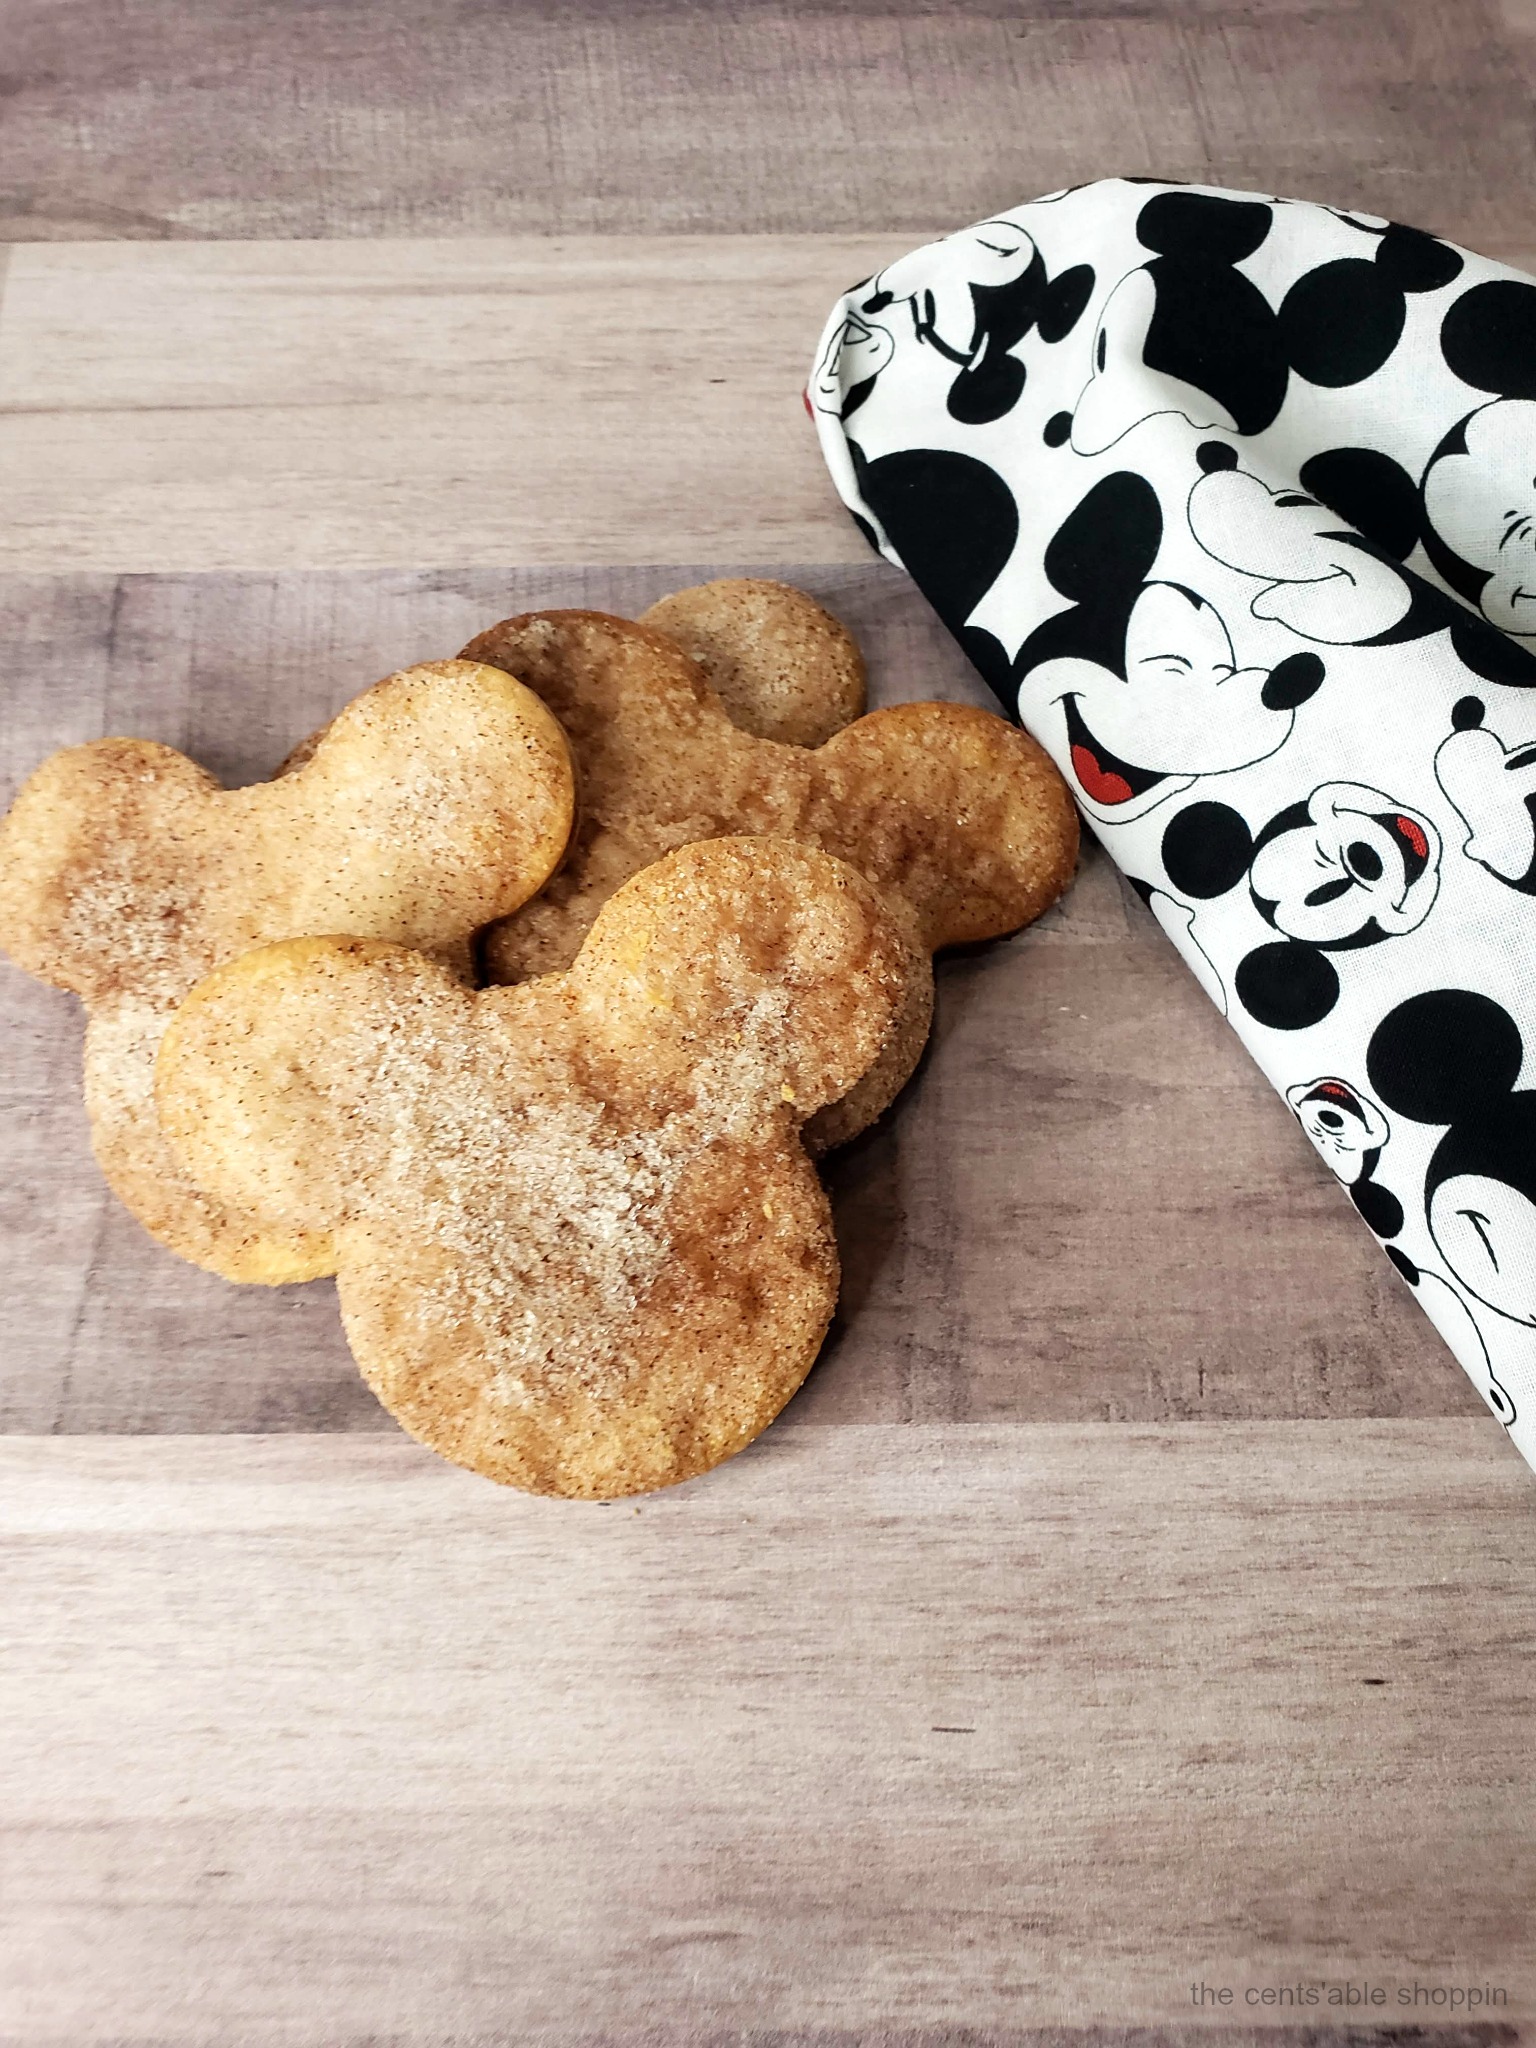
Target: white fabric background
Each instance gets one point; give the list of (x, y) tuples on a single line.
[(897, 345)]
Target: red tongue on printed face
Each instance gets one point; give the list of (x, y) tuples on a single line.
[(1102, 784), (1414, 834)]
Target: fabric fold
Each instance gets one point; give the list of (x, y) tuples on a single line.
[(1232, 501)]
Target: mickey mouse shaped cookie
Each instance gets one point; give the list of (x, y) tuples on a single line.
[(579, 1244), (436, 801), (958, 818), (780, 663)]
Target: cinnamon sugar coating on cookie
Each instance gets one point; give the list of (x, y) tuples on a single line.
[(438, 799), (781, 664), (959, 819), (581, 1249)]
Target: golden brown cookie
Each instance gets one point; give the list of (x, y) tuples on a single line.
[(782, 666), (959, 818), (437, 800), (779, 662), (579, 1244)]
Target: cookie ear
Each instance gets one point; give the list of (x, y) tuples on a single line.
[(770, 969), (1198, 224), (783, 666), (954, 814), (1206, 850), (438, 800), (265, 1072), (84, 864), (1441, 1055)]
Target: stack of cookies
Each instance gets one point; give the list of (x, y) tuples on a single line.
[(522, 996)]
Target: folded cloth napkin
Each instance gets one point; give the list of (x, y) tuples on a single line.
[(1233, 500)]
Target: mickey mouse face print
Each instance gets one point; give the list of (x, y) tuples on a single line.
[(1347, 868), (1321, 580), (850, 362), (1187, 332), (1492, 787), (1190, 332), (1343, 1124), (1181, 709), (970, 300), (1138, 687), (1251, 548), (1453, 1057), (1479, 488), (1480, 499)]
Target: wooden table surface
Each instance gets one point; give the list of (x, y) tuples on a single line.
[(1137, 1596)]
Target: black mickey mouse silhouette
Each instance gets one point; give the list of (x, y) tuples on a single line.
[(1137, 685), (1326, 581), (1347, 868), (1493, 790), (1189, 333), (972, 298), (1452, 1057), (1345, 318)]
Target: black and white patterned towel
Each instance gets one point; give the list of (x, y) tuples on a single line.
[(1233, 501)]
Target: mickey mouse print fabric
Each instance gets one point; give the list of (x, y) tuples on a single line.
[(1233, 501)]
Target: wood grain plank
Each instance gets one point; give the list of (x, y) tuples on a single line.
[(1089, 1206), (237, 118), (232, 668), (311, 1741), (318, 405), (268, 405)]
